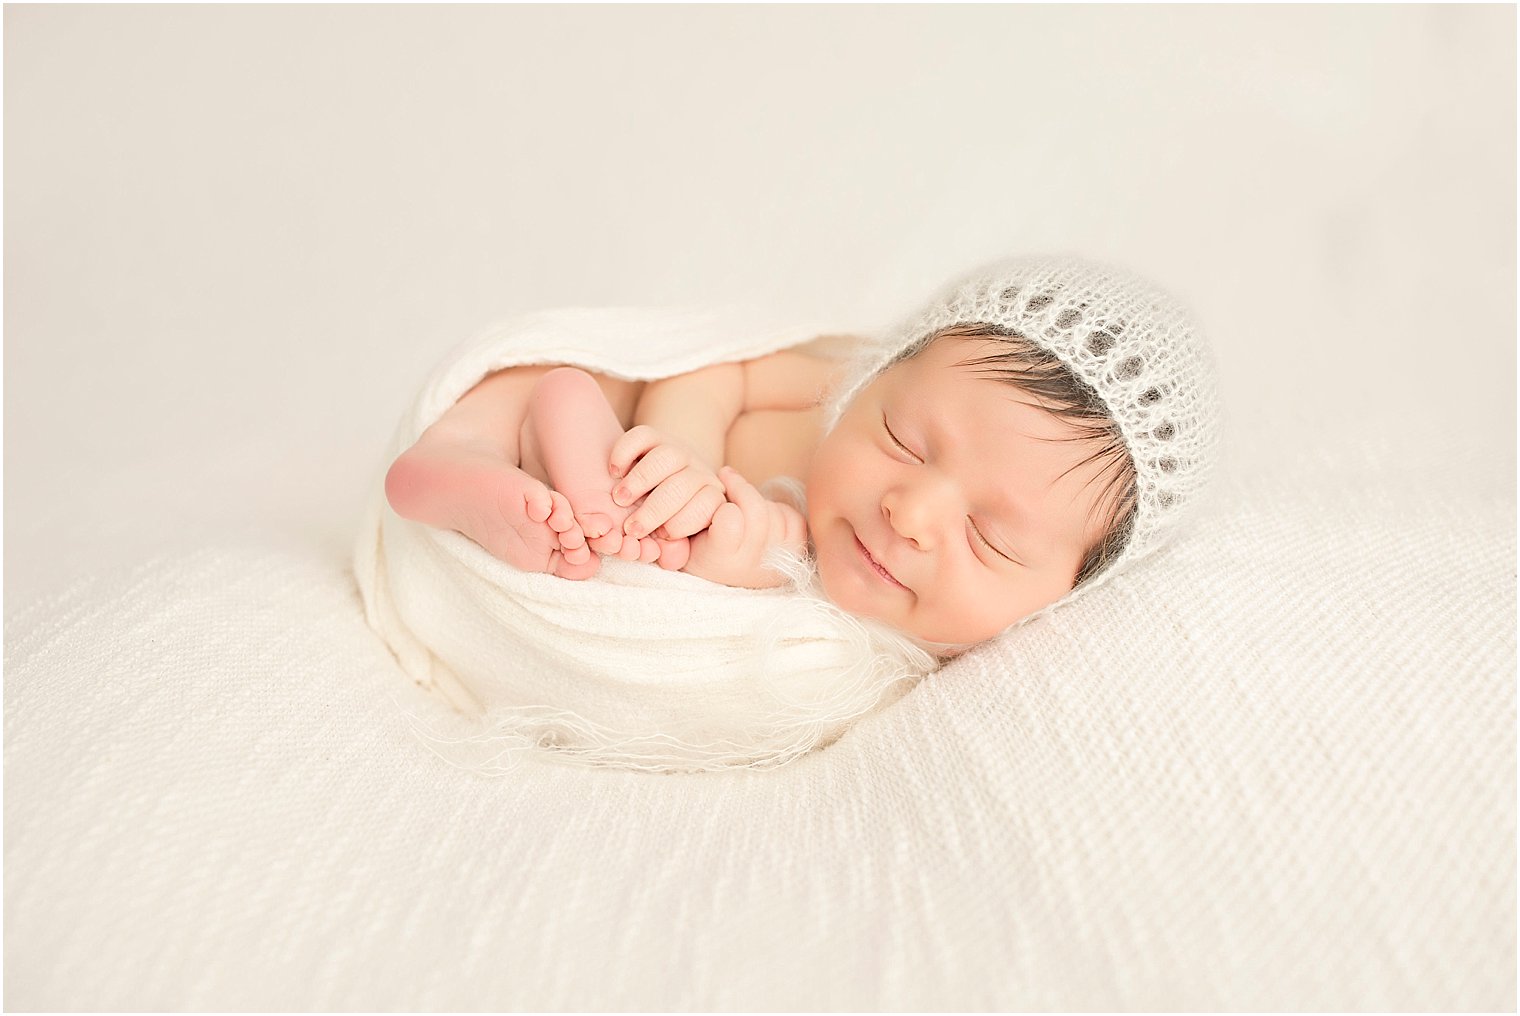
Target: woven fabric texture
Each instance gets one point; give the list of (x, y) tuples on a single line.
[(1274, 769), (1271, 768)]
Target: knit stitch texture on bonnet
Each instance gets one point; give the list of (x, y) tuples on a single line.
[(1131, 343)]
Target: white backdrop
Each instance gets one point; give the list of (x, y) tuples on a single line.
[(1272, 770), (235, 237)]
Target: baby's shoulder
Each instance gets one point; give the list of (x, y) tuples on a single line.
[(797, 378)]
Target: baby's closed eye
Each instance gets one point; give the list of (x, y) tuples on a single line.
[(971, 523), (894, 438)]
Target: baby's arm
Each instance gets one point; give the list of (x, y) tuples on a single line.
[(695, 409)]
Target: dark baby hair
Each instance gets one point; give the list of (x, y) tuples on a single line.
[(1041, 374)]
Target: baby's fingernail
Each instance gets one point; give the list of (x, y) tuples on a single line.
[(620, 496), (635, 529), (615, 471)]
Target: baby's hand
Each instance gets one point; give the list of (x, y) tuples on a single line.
[(683, 493), (731, 550)]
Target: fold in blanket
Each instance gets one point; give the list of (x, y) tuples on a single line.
[(637, 666)]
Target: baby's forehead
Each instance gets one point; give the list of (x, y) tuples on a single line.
[(987, 423), (950, 375), (956, 357)]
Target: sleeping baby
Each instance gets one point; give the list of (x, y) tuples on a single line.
[(1042, 422)]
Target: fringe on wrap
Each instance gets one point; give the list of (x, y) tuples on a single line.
[(878, 666)]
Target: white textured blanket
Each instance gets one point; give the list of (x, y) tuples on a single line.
[(1274, 769), (636, 666), (1271, 770)]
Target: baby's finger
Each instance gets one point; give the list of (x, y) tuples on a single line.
[(658, 465), (694, 516), (794, 528), (627, 449), (740, 491), (783, 528), (664, 501), (756, 509), (727, 529), (777, 519)]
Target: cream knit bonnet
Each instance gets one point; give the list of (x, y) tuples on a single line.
[(1132, 344)]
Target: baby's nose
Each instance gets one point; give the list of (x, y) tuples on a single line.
[(918, 513)]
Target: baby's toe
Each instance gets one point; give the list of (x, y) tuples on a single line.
[(674, 553), (595, 524), (572, 538), (629, 551), (576, 570), (538, 503), (649, 550), (608, 543), (562, 518)]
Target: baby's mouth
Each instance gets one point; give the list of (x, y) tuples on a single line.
[(876, 565)]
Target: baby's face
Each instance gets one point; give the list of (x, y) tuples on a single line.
[(978, 459)]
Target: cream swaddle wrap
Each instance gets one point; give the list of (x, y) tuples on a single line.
[(636, 666), (646, 668)]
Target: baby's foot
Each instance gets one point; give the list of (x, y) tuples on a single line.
[(515, 517), (568, 435)]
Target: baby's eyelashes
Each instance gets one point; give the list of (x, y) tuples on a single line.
[(886, 426), (970, 522)]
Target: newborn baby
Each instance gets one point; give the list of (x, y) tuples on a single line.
[(1039, 423)]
